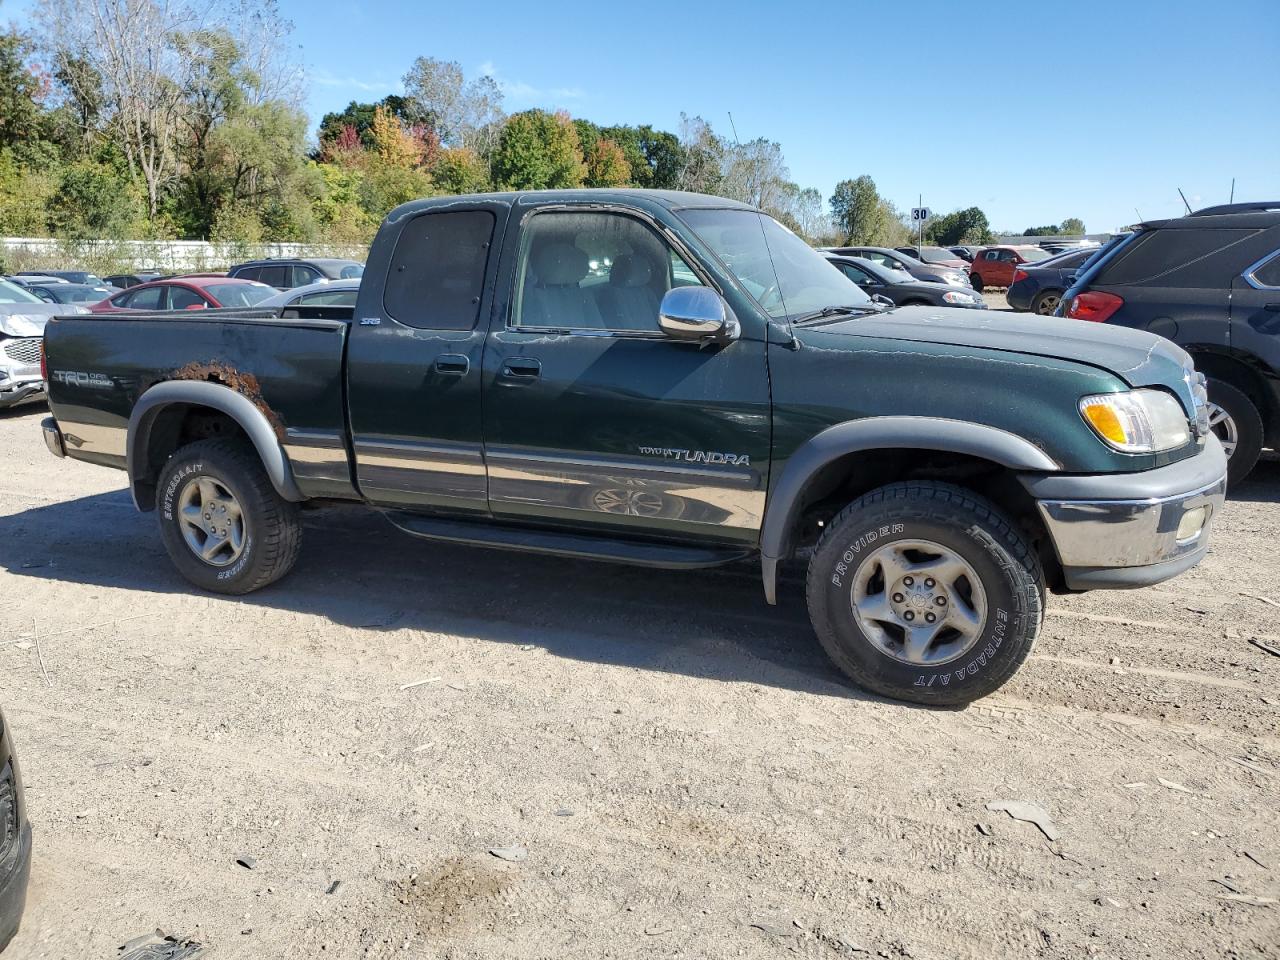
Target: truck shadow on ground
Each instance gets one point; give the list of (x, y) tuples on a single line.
[(358, 571)]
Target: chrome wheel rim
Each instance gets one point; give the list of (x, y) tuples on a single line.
[(212, 522), (630, 503), (1224, 428), (1048, 304), (919, 602)]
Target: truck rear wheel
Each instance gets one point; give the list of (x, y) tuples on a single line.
[(223, 524), (925, 592)]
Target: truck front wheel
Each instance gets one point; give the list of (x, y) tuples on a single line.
[(223, 524), (925, 592)]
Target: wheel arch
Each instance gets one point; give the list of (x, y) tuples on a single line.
[(802, 481), (152, 437), (1243, 372)]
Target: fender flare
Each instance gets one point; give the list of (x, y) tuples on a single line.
[(217, 397), (880, 433)]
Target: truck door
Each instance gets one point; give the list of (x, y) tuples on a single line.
[(591, 415), (414, 359)]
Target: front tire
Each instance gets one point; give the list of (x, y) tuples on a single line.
[(925, 592), (223, 524), (976, 280), (1238, 424), (1046, 302)]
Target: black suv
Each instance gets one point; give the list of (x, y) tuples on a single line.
[(285, 274), (1210, 282)]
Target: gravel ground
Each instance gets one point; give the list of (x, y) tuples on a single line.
[(682, 771)]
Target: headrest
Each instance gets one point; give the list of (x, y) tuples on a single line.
[(559, 264), (630, 271)]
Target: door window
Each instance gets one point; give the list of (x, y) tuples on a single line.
[(275, 276), (248, 273), (856, 274), (437, 271), (147, 298), (594, 271), (1268, 275), (302, 276), (182, 297)]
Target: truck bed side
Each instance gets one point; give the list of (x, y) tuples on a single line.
[(290, 369)]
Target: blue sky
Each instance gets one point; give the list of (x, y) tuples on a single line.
[(1034, 111)]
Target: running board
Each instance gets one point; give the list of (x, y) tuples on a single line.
[(530, 540)]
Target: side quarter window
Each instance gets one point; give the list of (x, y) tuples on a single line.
[(437, 270), (594, 271)]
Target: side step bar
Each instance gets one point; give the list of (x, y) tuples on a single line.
[(560, 544)]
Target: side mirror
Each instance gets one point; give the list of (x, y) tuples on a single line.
[(881, 299), (195, 306), (697, 314)]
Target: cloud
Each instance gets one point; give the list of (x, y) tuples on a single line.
[(522, 93), (323, 78)]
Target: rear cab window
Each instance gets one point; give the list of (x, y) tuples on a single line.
[(438, 268)]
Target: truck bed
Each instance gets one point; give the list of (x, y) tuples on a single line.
[(289, 363)]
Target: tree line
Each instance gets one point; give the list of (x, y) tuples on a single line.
[(169, 119)]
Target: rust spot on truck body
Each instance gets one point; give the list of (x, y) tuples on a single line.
[(245, 384)]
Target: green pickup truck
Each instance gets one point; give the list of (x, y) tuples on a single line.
[(671, 380)]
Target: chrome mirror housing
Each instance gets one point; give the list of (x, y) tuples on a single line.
[(697, 314)]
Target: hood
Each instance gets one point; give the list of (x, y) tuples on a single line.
[(28, 319), (1139, 359)]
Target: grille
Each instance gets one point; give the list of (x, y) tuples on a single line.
[(8, 813), (24, 350)]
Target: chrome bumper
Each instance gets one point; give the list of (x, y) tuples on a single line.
[(1156, 532), (53, 437)]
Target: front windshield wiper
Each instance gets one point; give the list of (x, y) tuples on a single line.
[(836, 311)]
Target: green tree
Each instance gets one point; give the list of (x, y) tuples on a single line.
[(969, 225), (360, 116), (858, 211), (460, 170), (538, 151), (1072, 225), (21, 90), (93, 201), (607, 165), (1050, 231)]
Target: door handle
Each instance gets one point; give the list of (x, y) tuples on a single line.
[(452, 363), (521, 368), (1272, 307)]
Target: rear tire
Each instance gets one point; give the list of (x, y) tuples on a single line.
[(917, 551), (223, 524), (1238, 424), (976, 280), (1046, 302)]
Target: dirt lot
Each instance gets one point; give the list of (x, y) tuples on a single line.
[(686, 773)]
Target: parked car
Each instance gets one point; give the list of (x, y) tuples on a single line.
[(995, 266), (190, 293), (33, 280), (285, 274), (124, 281), (22, 321), (1210, 282), (331, 293), (1039, 286), (894, 260), (71, 276), (668, 379), (70, 292), (966, 252), (901, 287), (15, 839), (937, 256)]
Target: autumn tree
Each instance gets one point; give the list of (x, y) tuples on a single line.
[(607, 165), (538, 151)]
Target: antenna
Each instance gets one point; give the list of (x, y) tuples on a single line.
[(734, 128), (1233, 191), (1184, 200), (1139, 213)]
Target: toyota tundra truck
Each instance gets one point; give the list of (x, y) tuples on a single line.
[(670, 380)]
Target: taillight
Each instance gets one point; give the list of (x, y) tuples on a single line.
[(1094, 305), (44, 364), (1019, 275)]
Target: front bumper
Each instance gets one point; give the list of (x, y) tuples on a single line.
[(14, 393), (14, 875), (1129, 530)]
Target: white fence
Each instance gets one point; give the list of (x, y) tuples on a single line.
[(33, 253)]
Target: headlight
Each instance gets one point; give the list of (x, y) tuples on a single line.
[(955, 296), (955, 279), (1139, 421)]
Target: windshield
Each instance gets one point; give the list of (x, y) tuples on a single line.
[(936, 255), (12, 293), (784, 274), (1033, 254), (239, 294), (352, 271)]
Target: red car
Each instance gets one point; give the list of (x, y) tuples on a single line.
[(187, 293), (995, 266)]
